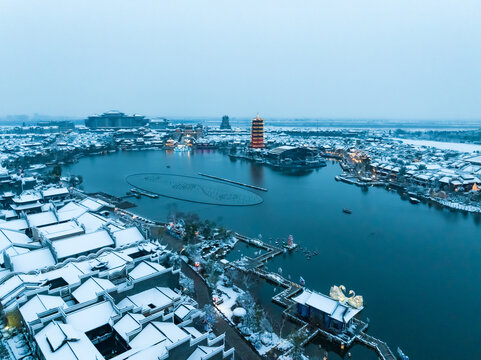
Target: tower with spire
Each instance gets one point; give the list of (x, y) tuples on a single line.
[(257, 133), (225, 125)]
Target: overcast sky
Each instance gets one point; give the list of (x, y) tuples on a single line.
[(401, 59)]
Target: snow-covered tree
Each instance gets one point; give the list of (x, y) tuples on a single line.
[(209, 316), (266, 326), (187, 285), (212, 271)]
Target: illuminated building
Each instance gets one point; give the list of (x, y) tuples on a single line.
[(257, 133)]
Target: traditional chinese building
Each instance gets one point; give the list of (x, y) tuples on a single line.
[(257, 133)]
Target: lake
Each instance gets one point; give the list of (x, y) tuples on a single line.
[(414, 265)]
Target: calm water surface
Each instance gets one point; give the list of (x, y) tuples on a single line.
[(417, 267)]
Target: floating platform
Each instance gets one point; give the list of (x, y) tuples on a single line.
[(145, 193), (233, 182)]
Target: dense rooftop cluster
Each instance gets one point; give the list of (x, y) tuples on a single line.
[(78, 281)]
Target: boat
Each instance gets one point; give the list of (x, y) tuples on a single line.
[(347, 211), (414, 200)]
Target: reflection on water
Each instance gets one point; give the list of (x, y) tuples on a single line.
[(408, 261), (257, 174)]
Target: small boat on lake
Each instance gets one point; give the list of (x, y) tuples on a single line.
[(347, 211), (414, 200)]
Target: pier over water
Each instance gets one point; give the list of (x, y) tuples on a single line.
[(291, 289)]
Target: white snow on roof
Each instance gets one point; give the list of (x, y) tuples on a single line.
[(42, 219), (183, 310), (54, 191), (17, 224), (336, 310), (10, 285), (155, 352), (38, 304), (59, 341), (192, 331), (171, 331), (322, 302), (89, 289), (27, 206), (338, 313), (82, 244), (201, 352), (149, 336), (91, 317), (8, 214), (145, 268), (11, 251), (26, 197), (70, 273), (91, 204), (148, 300), (9, 237), (70, 211), (32, 260), (127, 324), (57, 231), (91, 222), (114, 261), (127, 236)]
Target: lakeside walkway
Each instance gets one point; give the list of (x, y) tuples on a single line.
[(243, 350), (284, 299)]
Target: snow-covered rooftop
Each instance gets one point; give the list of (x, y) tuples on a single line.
[(81, 244)]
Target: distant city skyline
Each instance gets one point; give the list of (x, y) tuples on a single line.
[(401, 60)]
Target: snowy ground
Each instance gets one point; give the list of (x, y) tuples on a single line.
[(262, 341), (461, 147), (229, 297)]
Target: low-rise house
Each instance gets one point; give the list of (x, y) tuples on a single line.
[(325, 311)]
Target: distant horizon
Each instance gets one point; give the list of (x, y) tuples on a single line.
[(244, 122), (37, 116)]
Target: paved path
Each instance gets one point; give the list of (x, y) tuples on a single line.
[(243, 351)]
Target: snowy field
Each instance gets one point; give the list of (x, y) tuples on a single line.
[(461, 147)]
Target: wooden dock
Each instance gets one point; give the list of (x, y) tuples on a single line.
[(380, 347), (144, 193), (291, 289), (233, 182)]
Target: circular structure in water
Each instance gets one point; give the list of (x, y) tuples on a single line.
[(193, 189)]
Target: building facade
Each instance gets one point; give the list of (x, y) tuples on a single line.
[(257, 133), (115, 119)]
